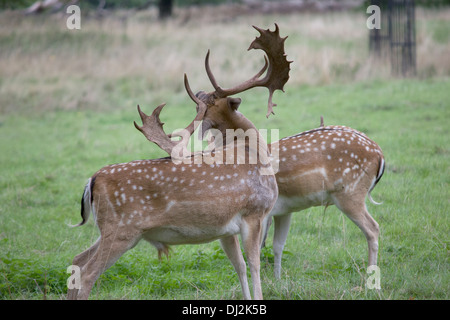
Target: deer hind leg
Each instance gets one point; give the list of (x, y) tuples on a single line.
[(109, 250), (251, 238), (357, 212), (80, 261), (233, 251), (280, 234)]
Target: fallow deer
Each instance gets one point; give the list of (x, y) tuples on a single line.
[(168, 203), (321, 167)]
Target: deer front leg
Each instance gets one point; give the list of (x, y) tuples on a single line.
[(251, 238), (233, 251), (280, 234)]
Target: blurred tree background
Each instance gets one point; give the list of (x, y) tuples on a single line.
[(165, 6), (115, 4)]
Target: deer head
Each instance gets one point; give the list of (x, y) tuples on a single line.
[(218, 109)]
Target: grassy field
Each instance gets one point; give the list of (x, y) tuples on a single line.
[(68, 102)]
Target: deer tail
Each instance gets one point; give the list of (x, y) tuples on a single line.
[(86, 202), (379, 175)]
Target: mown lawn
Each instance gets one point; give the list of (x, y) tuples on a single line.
[(46, 160)]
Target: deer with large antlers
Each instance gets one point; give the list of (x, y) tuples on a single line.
[(168, 203), (321, 167)]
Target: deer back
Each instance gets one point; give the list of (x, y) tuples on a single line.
[(317, 163)]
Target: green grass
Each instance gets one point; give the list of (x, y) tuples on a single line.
[(46, 160), (67, 106)]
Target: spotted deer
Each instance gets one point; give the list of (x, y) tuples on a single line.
[(168, 202), (321, 167)]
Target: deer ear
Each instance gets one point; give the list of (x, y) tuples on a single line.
[(234, 103)]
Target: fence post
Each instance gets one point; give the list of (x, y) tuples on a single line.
[(397, 37)]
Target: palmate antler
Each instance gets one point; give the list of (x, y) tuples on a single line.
[(152, 127), (276, 64)]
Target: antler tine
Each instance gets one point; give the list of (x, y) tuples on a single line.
[(211, 76), (200, 113), (252, 82), (191, 94), (144, 117), (152, 129)]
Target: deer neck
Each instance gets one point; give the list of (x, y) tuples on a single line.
[(239, 121), (240, 133)]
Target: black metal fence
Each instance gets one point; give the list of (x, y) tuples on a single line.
[(396, 38)]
